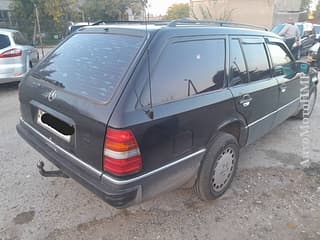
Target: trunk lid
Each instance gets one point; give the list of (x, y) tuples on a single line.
[(68, 97)]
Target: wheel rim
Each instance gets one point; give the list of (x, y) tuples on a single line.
[(312, 101), (223, 170)]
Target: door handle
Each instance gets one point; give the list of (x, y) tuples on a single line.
[(246, 100), (283, 88)]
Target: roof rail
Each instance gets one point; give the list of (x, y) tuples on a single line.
[(188, 21), (101, 22)]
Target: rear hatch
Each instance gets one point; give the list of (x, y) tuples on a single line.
[(70, 95)]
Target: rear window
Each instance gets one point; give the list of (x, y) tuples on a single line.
[(4, 41), (90, 65), (19, 39)]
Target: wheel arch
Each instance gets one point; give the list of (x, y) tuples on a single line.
[(237, 128)]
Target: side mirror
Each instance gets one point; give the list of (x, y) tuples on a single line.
[(303, 67)]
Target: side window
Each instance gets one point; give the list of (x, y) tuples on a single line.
[(238, 70), (282, 62), (4, 41), (189, 68), (19, 39), (257, 61)]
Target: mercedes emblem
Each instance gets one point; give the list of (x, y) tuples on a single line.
[(52, 95)]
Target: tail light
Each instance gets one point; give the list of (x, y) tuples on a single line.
[(121, 153), (11, 53)]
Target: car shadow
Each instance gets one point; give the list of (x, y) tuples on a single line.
[(8, 87)]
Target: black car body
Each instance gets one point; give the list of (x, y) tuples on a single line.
[(131, 112)]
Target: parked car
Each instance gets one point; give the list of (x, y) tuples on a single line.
[(317, 31), (76, 26), (136, 111), (17, 57), (307, 40), (314, 55)]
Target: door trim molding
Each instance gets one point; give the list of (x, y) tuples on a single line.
[(274, 112)]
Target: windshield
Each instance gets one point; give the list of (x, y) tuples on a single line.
[(317, 29), (277, 28), (91, 65)]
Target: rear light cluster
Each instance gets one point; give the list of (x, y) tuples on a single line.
[(11, 53), (121, 153)]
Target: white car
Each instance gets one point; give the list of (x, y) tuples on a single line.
[(17, 57)]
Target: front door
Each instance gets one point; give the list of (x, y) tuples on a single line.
[(252, 85), (284, 71)]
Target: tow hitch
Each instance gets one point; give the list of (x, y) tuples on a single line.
[(44, 173)]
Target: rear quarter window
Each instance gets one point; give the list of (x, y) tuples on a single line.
[(19, 39), (4, 41), (90, 65)]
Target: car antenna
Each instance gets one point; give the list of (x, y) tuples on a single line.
[(149, 112)]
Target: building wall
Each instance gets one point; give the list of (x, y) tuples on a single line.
[(4, 4), (5, 20), (260, 12), (283, 9)]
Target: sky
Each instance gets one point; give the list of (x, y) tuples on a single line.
[(158, 7)]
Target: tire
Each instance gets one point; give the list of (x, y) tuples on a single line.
[(312, 102), (218, 167)]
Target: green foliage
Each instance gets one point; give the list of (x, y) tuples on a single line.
[(305, 4), (23, 14), (54, 15), (177, 11), (111, 10)]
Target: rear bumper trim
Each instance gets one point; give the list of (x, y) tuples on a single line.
[(132, 180), (55, 147), (105, 177)]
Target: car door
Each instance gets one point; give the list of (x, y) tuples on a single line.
[(284, 71), (189, 99), (251, 83)]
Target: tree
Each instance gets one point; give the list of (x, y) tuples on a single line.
[(111, 10), (177, 11), (23, 15), (305, 4), (59, 13), (54, 15)]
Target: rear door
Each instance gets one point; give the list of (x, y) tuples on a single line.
[(251, 83), (284, 71), (68, 98), (189, 97)]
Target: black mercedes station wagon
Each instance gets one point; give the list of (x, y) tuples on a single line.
[(131, 110)]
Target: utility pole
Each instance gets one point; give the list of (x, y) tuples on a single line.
[(39, 29)]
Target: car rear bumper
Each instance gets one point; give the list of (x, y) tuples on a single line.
[(16, 75), (117, 192), (12, 79)]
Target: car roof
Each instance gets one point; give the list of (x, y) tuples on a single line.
[(180, 30), (7, 30)]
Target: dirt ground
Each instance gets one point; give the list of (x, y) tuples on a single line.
[(273, 196)]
